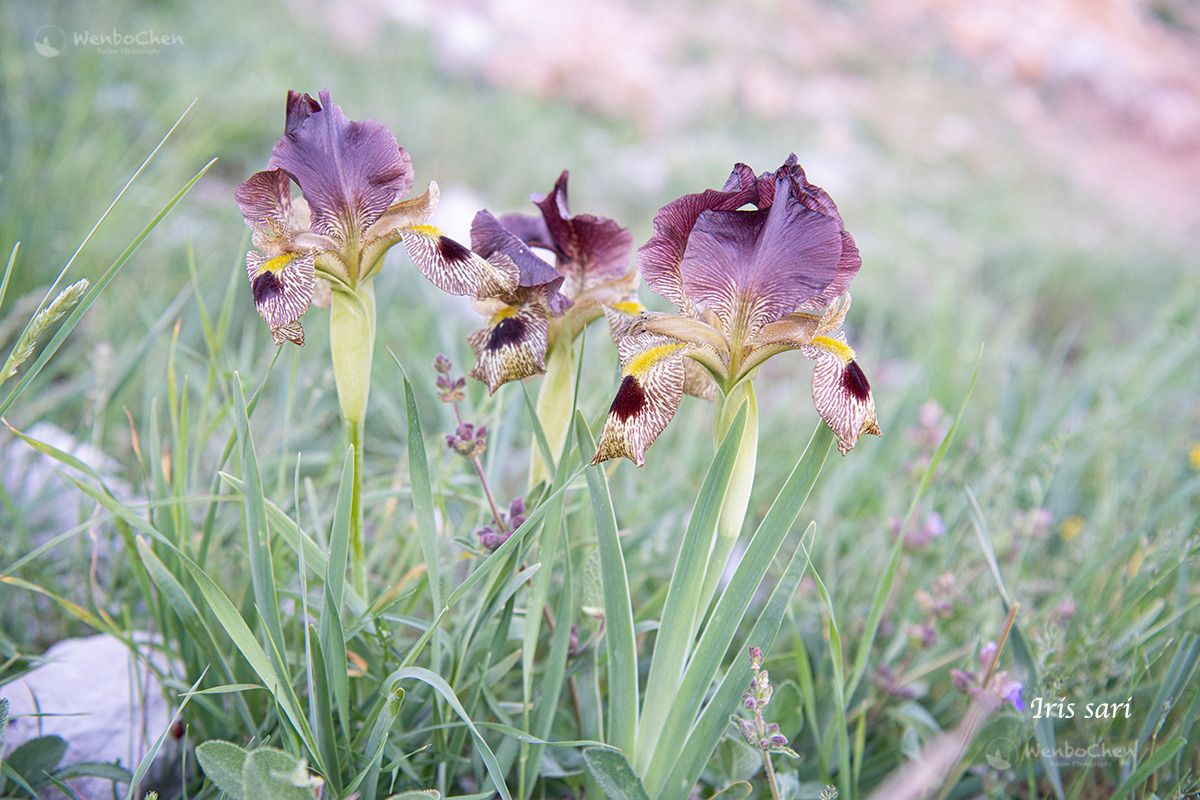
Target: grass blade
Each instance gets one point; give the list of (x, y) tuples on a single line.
[(101, 283), (731, 607), (440, 686), (620, 641), (673, 643)]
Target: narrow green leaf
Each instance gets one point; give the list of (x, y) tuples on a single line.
[(1176, 682), (324, 730), (687, 762), (101, 283), (388, 713), (611, 770), (439, 685), (258, 537), (235, 627), (8, 269), (673, 643), (332, 636), (619, 636), (176, 596), (731, 607), (152, 753), (1148, 767)]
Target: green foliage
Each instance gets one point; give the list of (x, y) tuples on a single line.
[(580, 654)]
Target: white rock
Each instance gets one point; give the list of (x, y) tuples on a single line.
[(96, 696)]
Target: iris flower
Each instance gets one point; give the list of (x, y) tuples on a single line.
[(590, 272), (353, 177), (755, 268)]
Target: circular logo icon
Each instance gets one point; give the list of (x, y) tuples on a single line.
[(1000, 753), (49, 41)]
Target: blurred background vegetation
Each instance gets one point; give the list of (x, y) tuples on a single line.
[(1020, 178)]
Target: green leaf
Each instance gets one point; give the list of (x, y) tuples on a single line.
[(731, 608), (36, 758), (388, 712), (271, 774), (738, 760), (439, 685), (1173, 687), (423, 794), (611, 770), (1148, 767), (258, 537), (69, 324), (673, 644), (332, 637), (734, 791), (222, 763), (683, 768), (94, 769), (619, 637)]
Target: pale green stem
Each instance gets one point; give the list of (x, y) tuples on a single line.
[(555, 398), (737, 497), (352, 344)]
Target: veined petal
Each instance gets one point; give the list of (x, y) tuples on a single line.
[(659, 258), (266, 202), (390, 227), (592, 250), (455, 269), (651, 387), (489, 238), (841, 391), (794, 330), (350, 172), (755, 267), (283, 290), (292, 332), (513, 345)]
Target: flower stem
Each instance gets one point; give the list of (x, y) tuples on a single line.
[(737, 497), (770, 770), (352, 345), (555, 400)]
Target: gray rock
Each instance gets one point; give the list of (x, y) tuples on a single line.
[(108, 706)]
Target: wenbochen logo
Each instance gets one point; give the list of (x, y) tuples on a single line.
[(49, 41), (999, 753)]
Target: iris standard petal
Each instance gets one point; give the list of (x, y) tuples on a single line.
[(513, 345), (592, 250), (350, 172), (489, 238), (283, 290), (658, 259), (455, 269), (755, 267), (652, 382)]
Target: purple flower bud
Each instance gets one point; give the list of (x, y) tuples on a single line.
[(749, 733), (961, 679), (778, 740), (985, 655), (442, 364), (756, 658)]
